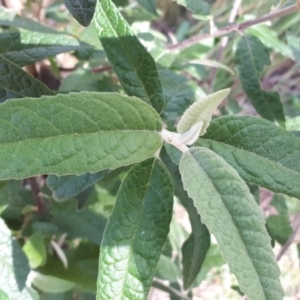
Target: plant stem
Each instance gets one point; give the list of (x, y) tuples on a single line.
[(289, 241), (235, 27), (36, 194)]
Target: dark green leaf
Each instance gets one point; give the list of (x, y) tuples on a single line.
[(135, 233), (251, 56), (261, 152), (279, 225), (66, 187), (15, 82), (78, 223), (75, 134), (134, 66), (231, 214), (24, 47), (81, 10)]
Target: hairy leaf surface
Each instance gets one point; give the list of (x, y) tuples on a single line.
[(75, 133), (15, 82), (133, 64), (251, 56), (231, 214), (135, 233), (81, 10), (261, 152), (201, 111)]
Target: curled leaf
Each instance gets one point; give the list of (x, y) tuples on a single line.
[(201, 111)]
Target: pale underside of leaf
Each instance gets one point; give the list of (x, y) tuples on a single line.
[(230, 212), (135, 233), (201, 111), (75, 133)]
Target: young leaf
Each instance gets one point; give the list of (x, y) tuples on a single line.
[(279, 225), (75, 133), (24, 47), (201, 111), (229, 211), (257, 149), (196, 246), (134, 66), (135, 233), (14, 266), (15, 82), (66, 187), (251, 56), (81, 10)]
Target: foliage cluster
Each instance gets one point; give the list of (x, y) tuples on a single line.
[(96, 164)]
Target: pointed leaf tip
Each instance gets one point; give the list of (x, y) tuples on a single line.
[(201, 111)]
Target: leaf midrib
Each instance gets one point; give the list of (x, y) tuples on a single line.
[(233, 221), (248, 152)]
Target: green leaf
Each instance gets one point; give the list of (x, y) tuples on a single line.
[(78, 223), (201, 111), (50, 284), (199, 8), (24, 47), (279, 225), (15, 82), (231, 214), (66, 187), (149, 5), (35, 250), (167, 269), (135, 233), (251, 56), (257, 149), (134, 66), (293, 124), (14, 266), (10, 18), (196, 246), (81, 10), (75, 134), (179, 94)]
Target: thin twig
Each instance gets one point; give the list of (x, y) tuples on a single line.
[(101, 69), (235, 27), (37, 196), (224, 41), (289, 241), (157, 284)]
